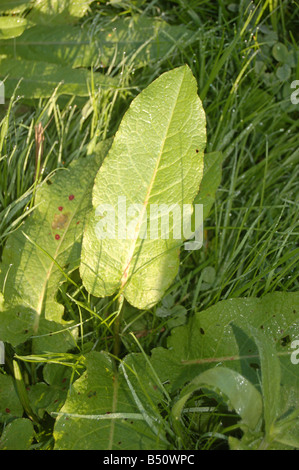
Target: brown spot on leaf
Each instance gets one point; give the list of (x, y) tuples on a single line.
[(60, 221)]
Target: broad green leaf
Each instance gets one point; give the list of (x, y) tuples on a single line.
[(156, 158), (236, 391), (17, 435), (138, 40), (58, 11), (109, 410), (222, 335), (39, 255), (10, 406), (12, 26), (271, 375), (41, 79)]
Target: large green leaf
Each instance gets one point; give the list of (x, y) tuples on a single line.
[(17, 435), (11, 26), (58, 11), (156, 158), (108, 409), (223, 335), (40, 79), (41, 251), (138, 39)]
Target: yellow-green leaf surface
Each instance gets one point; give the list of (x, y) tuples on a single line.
[(156, 158), (111, 410), (11, 27), (58, 11), (38, 254)]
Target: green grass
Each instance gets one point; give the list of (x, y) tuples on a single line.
[(251, 235)]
